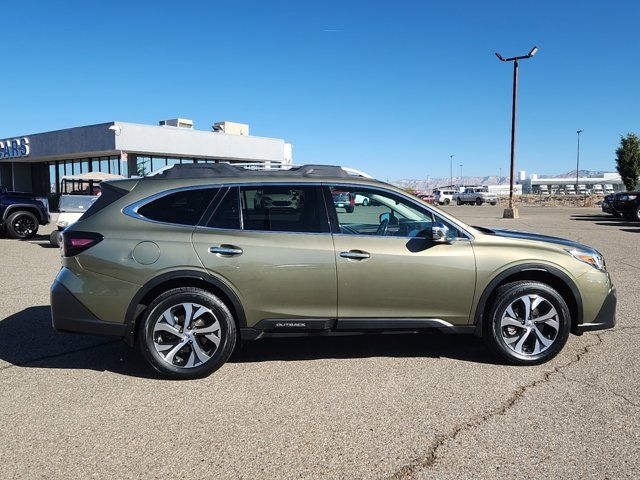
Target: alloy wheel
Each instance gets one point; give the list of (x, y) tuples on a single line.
[(530, 325), (24, 226), (187, 335)]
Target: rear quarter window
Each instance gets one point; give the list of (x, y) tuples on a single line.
[(185, 207)]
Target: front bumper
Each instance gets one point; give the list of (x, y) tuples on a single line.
[(69, 315), (606, 317)]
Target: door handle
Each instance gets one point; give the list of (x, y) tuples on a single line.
[(229, 250), (355, 254)]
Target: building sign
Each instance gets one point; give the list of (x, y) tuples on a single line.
[(14, 148)]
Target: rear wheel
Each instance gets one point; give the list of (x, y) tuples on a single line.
[(187, 333), (458, 201), (54, 238), (22, 225), (365, 202), (349, 209), (528, 323), (637, 219), (447, 201), (478, 201)]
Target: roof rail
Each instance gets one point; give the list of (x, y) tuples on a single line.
[(207, 170)]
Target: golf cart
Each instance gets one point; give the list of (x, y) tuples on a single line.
[(78, 192)]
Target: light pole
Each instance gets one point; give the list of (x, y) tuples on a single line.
[(578, 161), (511, 211), (451, 169), (461, 182)]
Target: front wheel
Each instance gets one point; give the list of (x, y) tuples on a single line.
[(478, 201), (365, 202), (528, 323), (447, 201), (22, 225), (458, 201), (187, 333)]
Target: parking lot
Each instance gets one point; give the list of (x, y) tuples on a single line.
[(389, 406)]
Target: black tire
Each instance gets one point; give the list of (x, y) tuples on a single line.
[(478, 201), (637, 219), (22, 225), (54, 238), (365, 202), (447, 201), (174, 297), (493, 331), (458, 201), (494, 203), (349, 209)]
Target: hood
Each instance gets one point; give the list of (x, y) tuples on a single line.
[(535, 237)]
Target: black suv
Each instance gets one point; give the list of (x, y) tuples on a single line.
[(628, 205), (22, 213)]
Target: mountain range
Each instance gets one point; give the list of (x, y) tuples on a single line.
[(431, 183)]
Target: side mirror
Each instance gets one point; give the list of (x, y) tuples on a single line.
[(439, 232), (384, 217)]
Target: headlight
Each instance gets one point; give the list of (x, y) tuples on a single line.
[(592, 258), (626, 198)]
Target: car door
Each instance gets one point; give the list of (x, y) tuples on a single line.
[(387, 269), (272, 245)]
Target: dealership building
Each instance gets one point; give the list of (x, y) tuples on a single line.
[(38, 162)]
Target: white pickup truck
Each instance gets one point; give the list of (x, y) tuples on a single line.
[(476, 196)]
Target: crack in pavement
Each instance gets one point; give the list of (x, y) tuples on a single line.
[(430, 456), (55, 355)]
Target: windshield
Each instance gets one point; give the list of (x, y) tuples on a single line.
[(76, 203)]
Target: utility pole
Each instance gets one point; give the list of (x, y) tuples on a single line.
[(578, 162), (451, 170), (461, 182), (512, 211)]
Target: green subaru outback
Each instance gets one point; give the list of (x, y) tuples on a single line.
[(188, 262)]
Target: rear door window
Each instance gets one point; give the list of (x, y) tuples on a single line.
[(284, 208), (184, 207)]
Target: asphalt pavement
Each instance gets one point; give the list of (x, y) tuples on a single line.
[(393, 406)]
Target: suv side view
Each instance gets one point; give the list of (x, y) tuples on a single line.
[(188, 262), (22, 213)]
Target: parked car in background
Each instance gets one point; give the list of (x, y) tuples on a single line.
[(597, 189), (607, 204), (427, 197), (343, 199), (476, 196), (444, 196), (362, 200), (627, 204), (21, 214), (608, 188), (183, 265)]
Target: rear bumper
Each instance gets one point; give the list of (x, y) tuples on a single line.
[(606, 317), (69, 315)]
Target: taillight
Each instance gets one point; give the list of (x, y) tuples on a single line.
[(74, 242), (352, 200)]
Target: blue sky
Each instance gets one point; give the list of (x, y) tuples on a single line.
[(392, 88)]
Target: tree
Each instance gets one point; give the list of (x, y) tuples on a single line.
[(628, 160)]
